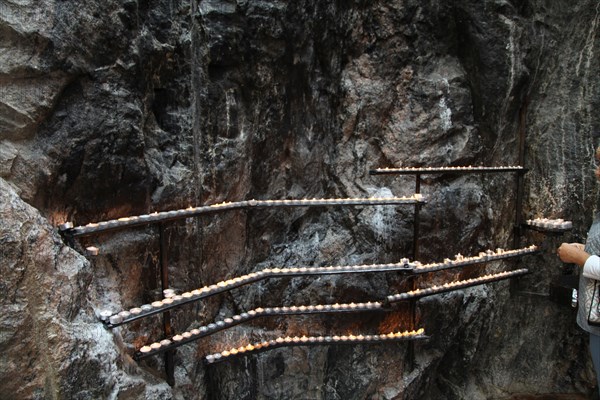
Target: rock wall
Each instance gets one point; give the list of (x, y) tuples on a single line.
[(124, 107)]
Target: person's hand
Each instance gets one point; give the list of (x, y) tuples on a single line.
[(580, 246), (572, 253)]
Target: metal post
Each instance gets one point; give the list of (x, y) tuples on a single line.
[(164, 280), (416, 221), (518, 228)]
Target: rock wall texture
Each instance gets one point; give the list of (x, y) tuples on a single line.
[(124, 107)]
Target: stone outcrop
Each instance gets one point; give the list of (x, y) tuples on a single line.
[(123, 107)]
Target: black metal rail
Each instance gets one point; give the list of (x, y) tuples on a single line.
[(112, 320), (212, 328), (288, 341), (444, 170), (173, 215), (448, 287)]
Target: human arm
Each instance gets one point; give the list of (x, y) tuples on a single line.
[(574, 253)]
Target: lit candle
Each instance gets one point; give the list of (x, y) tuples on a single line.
[(145, 349), (105, 315), (177, 338), (155, 346), (135, 310)]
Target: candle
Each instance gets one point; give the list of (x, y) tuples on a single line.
[(155, 346), (92, 251), (145, 349), (105, 315)]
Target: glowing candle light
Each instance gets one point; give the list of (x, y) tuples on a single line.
[(145, 349), (146, 307), (92, 251), (195, 331), (105, 315), (186, 335), (155, 346), (177, 338)]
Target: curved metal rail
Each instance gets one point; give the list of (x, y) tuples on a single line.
[(165, 216)]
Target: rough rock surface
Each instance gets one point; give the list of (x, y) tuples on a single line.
[(123, 107)]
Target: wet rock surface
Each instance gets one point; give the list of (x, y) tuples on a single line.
[(127, 107)]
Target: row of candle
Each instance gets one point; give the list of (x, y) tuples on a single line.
[(405, 264), (450, 168), (484, 256), (456, 285), (260, 312), (547, 223), (192, 211), (304, 340)]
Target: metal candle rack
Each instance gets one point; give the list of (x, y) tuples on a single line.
[(416, 268), (69, 231), (313, 340), (170, 342)]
